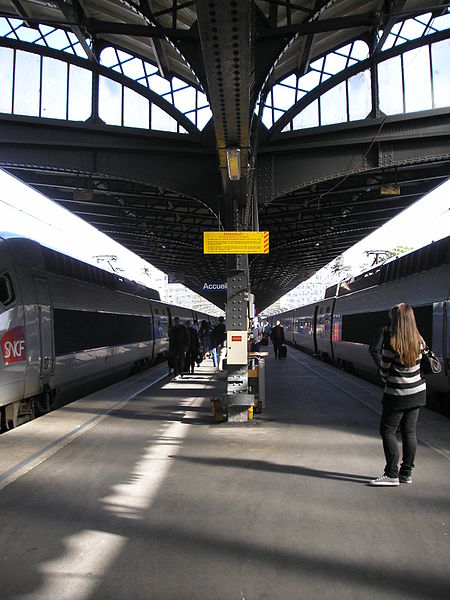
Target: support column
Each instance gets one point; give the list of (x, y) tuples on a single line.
[(237, 400)]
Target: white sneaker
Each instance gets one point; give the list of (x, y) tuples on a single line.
[(386, 481)]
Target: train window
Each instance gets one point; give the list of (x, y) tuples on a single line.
[(76, 330), (361, 327), (7, 294)]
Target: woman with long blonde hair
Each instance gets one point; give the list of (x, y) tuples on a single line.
[(404, 394)]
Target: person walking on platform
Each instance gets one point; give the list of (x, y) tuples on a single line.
[(266, 334), (193, 348), (256, 336), (205, 338), (178, 344), (404, 394), (219, 341), (277, 335)]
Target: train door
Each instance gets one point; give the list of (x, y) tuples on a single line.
[(446, 333), (333, 325), (323, 329), (316, 310), (45, 319), (153, 334), (165, 324)]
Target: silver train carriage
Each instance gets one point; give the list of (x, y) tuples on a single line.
[(340, 327), (66, 324)]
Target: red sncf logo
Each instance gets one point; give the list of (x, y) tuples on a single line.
[(13, 346)]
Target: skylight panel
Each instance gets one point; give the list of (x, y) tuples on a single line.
[(309, 117), (317, 65), (360, 50), (136, 111), (309, 81), (80, 93), (441, 23), (412, 29), (134, 69), (6, 79), (26, 34), (161, 121), (184, 99), (267, 117), (108, 57), (291, 81), (283, 97), (159, 85), (203, 117)]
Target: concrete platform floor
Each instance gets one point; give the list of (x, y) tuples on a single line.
[(152, 500)]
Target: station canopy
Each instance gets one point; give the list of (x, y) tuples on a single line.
[(156, 121)]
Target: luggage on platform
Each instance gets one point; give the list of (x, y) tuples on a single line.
[(282, 353)]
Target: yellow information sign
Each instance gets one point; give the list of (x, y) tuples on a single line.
[(236, 242)]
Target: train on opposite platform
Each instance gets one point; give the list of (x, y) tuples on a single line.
[(66, 325), (340, 327)]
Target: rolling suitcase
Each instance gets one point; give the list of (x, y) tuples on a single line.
[(282, 353)]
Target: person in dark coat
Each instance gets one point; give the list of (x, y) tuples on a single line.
[(204, 335), (219, 338), (277, 335), (404, 393), (178, 345), (193, 348), (220, 333)]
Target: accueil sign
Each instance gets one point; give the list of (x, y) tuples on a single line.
[(214, 286)]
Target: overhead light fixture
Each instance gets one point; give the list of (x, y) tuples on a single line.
[(234, 163), (392, 189)]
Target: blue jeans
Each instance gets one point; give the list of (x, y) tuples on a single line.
[(214, 356), (391, 420)]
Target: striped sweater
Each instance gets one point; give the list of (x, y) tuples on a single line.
[(404, 387)]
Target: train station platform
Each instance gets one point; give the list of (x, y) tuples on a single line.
[(136, 493)]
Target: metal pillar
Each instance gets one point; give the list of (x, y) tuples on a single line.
[(237, 400)]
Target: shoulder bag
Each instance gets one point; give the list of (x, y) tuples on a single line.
[(429, 364)]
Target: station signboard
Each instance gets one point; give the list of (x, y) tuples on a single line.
[(214, 286), (236, 242)]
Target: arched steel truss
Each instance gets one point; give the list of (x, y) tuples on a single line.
[(317, 191), (370, 64), (97, 70)]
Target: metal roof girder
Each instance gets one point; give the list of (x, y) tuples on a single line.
[(76, 18), (224, 30), (343, 151)]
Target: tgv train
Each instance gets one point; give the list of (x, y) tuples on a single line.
[(65, 323), (340, 327)]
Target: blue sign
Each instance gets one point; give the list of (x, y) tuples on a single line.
[(214, 286)]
